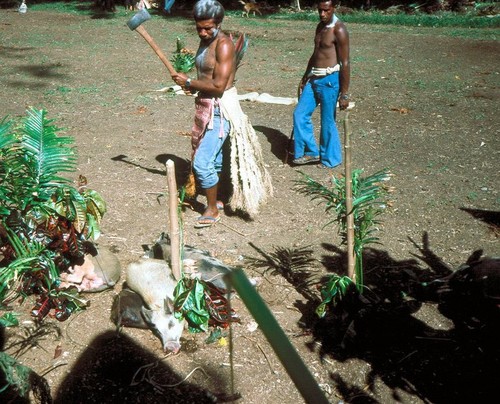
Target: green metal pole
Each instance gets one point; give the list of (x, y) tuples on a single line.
[(297, 370)]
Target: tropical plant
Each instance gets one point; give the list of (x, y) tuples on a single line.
[(183, 59), (19, 380), (369, 201), (46, 223), (9, 319), (190, 303), (335, 288), (201, 304)]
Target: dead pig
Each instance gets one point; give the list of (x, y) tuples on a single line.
[(210, 269), (99, 270), (152, 279), (126, 310)]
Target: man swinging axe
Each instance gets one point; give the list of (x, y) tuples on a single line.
[(218, 115)]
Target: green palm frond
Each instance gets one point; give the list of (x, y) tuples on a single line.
[(49, 153), (32, 161), (369, 196), (6, 136)]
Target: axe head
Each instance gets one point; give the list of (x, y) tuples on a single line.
[(138, 19)]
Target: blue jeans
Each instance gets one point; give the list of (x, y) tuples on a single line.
[(207, 161), (323, 91)]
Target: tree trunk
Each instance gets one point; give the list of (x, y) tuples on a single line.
[(295, 4)]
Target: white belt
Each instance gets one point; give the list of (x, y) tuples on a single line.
[(324, 71)]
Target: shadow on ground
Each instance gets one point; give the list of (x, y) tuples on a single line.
[(280, 143), (456, 361), (116, 369)]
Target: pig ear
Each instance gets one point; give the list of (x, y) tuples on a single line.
[(168, 305), (147, 314)]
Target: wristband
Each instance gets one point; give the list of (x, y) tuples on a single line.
[(344, 96)]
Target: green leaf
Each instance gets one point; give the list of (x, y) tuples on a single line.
[(335, 288), (7, 138), (45, 217), (215, 335), (95, 204), (189, 302), (9, 320), (71, 205), (15, 375)]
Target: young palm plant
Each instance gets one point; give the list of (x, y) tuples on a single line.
[(183, 59), (45, 222), (369, 201)]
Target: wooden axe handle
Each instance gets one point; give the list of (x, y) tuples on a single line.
[(142, 31)]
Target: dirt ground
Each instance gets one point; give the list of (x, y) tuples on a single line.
[(426, 107)]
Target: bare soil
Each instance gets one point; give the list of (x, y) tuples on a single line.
[(426, 108)]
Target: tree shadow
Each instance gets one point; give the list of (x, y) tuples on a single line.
[(42, 71), (115, 369), (396, 326), (13, 52), (381, 327), (490, 217), (182, 172)]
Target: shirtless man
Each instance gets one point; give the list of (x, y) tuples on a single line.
[(215, 64), (325, 81)]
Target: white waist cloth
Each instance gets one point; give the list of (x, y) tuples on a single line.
[(324, 71)]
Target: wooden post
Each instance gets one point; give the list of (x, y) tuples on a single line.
[(173, 201), (351, 262)]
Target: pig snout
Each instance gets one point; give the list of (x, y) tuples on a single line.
[(172, 346), (170, 330)]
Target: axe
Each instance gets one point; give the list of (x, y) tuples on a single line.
[(135, 25)]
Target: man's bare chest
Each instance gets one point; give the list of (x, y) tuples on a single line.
[(205, 58), (325, 38)]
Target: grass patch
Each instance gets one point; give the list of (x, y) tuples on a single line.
[(442, 19), (470, 24), (471, 19), (72, 7)]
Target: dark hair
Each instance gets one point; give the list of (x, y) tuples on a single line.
[(208, 9), (335, 3)]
